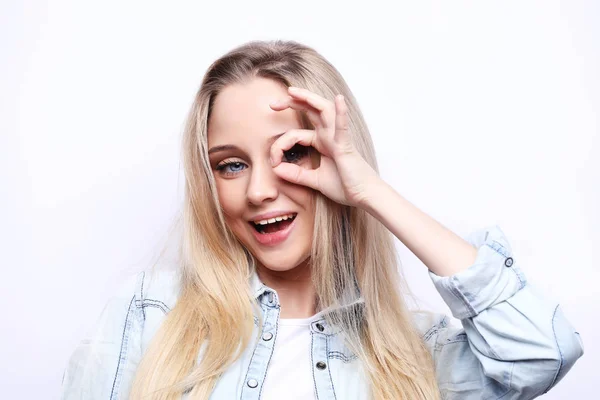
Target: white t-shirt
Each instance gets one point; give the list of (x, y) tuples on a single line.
[(289, 375)]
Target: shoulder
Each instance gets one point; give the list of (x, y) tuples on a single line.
[(157, 289), (105, 361), (142, 299), (126, 309)]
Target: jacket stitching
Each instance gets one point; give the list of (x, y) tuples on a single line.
[(498, 248), (123, 351), (522, 280), (460, 296), (270, 355), (341, 356), (329, 368), (562, 360), (434, 329), (460, 337), (512, 368), (312, 364), (162, 304), (155, 306), (152, 303), (250, 364), (142, 293)]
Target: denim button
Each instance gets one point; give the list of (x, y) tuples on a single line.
[(271, 297), (267, 336), (321, 365), (320, 327), (252, 383), (508, 262)]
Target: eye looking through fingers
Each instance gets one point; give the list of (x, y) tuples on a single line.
[(296, 153)]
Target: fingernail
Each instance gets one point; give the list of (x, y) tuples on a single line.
[(293, 89)]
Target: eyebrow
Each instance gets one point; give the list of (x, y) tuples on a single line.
[(225, 147)]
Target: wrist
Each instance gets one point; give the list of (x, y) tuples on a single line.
[(374, 193)]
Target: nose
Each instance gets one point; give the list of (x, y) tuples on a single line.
[(263, 185)]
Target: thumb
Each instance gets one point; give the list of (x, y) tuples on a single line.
[(298, 175)]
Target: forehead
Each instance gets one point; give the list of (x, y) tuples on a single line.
[(241, 113)]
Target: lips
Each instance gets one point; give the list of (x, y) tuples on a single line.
[(273, 231), (271, 214), (274, 224)]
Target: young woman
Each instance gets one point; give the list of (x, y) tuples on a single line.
[(288, 286)]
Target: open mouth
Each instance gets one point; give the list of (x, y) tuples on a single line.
[(273, 225)]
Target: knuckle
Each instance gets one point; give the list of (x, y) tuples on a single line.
[(298, 175), (344, 126)]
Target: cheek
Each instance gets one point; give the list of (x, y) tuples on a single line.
[(231, 197), (302, 196)]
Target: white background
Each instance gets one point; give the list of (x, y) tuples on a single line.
[(482, 113)]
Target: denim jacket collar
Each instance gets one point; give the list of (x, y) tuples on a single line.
[(268, 297)]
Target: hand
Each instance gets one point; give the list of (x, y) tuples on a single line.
[(343, 175)]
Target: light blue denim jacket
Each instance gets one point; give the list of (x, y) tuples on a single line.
[(513, 344)]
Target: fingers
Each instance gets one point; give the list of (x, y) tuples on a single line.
[(298, 175), (313, 115), (286, 141), (324, 108), (289, 102), (292, 172), (330, 119), (321, 109), (309, 97), (341, 118)]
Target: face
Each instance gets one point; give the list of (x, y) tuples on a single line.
[(271, 217)]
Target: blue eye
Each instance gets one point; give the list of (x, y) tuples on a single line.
[(231, 167), (296, 153)]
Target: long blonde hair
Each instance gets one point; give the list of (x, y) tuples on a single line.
[(353, 259)]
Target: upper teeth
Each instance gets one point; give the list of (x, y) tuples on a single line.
[(275, 219)]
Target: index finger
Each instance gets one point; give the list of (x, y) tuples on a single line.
[(286, 141)]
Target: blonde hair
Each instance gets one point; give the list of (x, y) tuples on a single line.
[(353, 259)]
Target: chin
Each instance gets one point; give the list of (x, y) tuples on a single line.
[(286, 256), (281, 264)]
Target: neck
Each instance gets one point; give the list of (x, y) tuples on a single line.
[(294, 288)]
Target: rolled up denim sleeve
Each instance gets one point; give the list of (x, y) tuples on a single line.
[(514, 343), (102, 366)]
